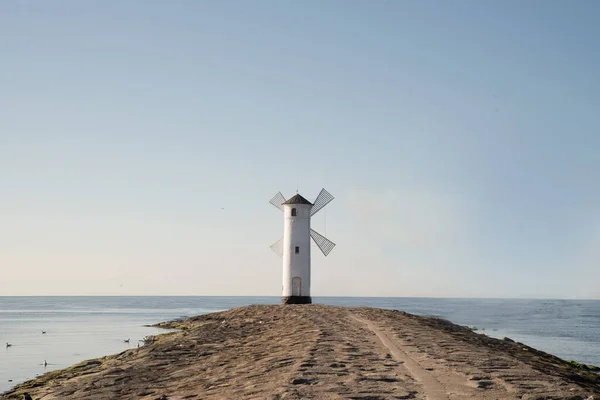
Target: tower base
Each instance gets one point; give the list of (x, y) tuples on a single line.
[(296, 300)]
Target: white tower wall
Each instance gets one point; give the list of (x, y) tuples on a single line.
[(296, 263)]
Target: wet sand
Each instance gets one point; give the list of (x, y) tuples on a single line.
[(318, 352)]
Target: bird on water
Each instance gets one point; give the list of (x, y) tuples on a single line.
[(126, 340), (8, 344)]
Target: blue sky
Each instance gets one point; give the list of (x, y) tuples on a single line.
[(460, 139)]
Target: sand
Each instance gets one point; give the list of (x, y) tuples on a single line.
[(318, 352)]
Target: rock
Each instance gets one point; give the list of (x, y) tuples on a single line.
[(484, 384), (480, 378), (300, 381)]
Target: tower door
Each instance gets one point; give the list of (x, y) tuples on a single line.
[(296, 286)]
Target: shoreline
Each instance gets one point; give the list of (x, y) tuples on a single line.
[(331, 351)]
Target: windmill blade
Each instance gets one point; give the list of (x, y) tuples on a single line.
[(321, 201), (277, 200), (324, 244), (277, 247)]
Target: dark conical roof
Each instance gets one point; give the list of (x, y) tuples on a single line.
[(297, 199)]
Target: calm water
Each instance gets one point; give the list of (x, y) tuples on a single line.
[(80, 328)]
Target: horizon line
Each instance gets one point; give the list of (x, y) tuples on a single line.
[(318, 296)]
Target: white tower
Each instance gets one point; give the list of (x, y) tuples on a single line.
[(294, 247)]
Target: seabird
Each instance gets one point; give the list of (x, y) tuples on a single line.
[(126, 341), (43, 332), (8, 344), (45, 363)]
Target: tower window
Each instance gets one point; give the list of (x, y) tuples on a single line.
[(293, 212), (297, 249)]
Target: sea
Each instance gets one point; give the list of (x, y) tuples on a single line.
[(81, 328)]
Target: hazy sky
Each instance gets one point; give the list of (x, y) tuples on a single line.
[(461, 140)]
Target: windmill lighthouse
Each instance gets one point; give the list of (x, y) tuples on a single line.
[(294, 247)]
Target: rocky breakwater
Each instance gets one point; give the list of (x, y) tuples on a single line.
[(318, 352)]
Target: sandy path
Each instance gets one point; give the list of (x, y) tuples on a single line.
[(432, 387)]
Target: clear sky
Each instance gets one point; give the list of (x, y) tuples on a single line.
[(461, 140)]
